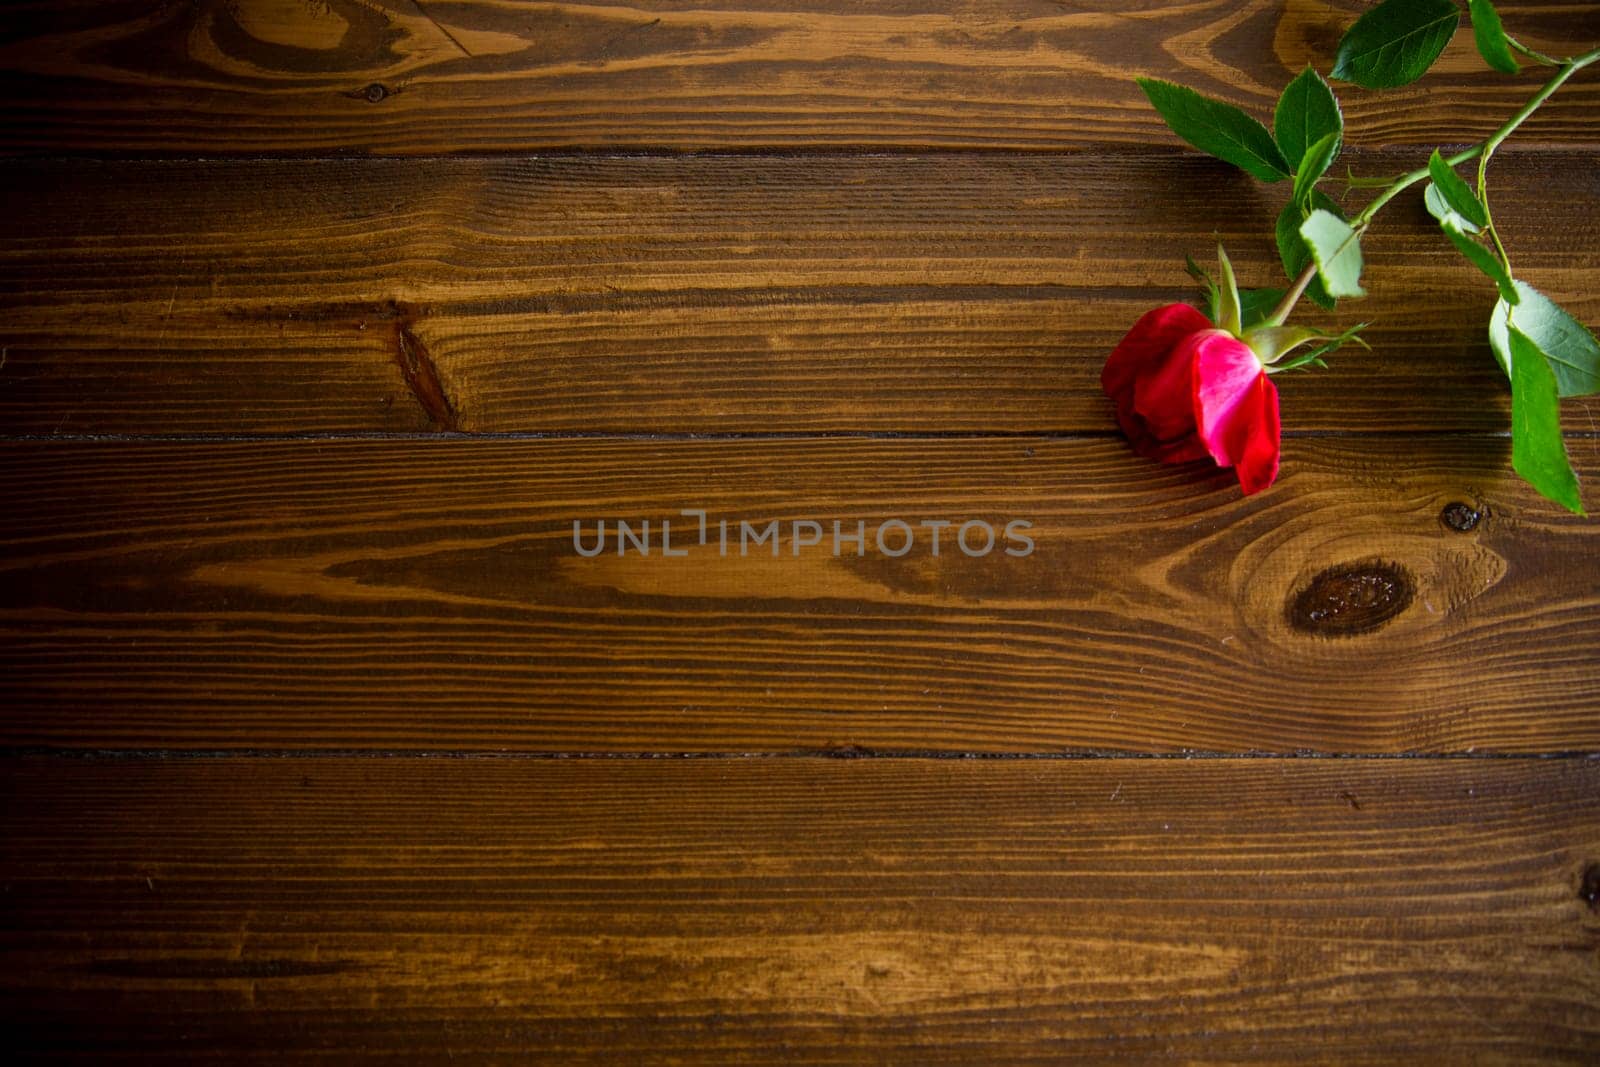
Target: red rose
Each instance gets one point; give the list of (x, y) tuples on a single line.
[(1186, 390)]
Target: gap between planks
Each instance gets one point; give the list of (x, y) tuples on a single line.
[(842, 753)]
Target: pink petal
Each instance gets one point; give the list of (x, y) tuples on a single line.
[(1236, 409), (1225, 373)]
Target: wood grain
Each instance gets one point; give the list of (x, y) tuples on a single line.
[(320, 739), (282, 76), (420, 594), (802, 911), (707, 295)]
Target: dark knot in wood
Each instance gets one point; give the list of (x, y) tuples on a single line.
[(1460, 517), (1353, 598), (1589, 886), (422, 378)]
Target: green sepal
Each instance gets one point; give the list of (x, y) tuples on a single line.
[(1254, 304), (1305, 362), (1228, 296), (1208, 287), (1272, 343), (1330, 344)]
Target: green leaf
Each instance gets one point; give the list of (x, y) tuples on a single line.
[(1462, 200), (1482, 258), (1255, 305), (1337, 251), (1292, 249), (1219, 129), (1491, 37), (1537, 451), (1306, 113), (1395, 43), (1572, 352), (1434, 199), (1318, 158)]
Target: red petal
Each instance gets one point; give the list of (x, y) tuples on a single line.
[(1164, 396), (1147, 345), (1258, 466), (1148, 379), (1186, 449)]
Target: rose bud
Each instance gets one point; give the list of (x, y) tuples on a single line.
[(1185, 390)]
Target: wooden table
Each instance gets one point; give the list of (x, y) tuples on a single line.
[(321, 323)]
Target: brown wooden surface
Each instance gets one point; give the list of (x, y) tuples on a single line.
[(737, 294), (318, 740), (821, 911), (428, 595), (401, 76)]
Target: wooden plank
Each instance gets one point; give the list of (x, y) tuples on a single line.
[(1402, 593), (929, 294), (231, 76), (815, 911)]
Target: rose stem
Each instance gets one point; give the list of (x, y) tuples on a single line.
[(1280, 314)]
